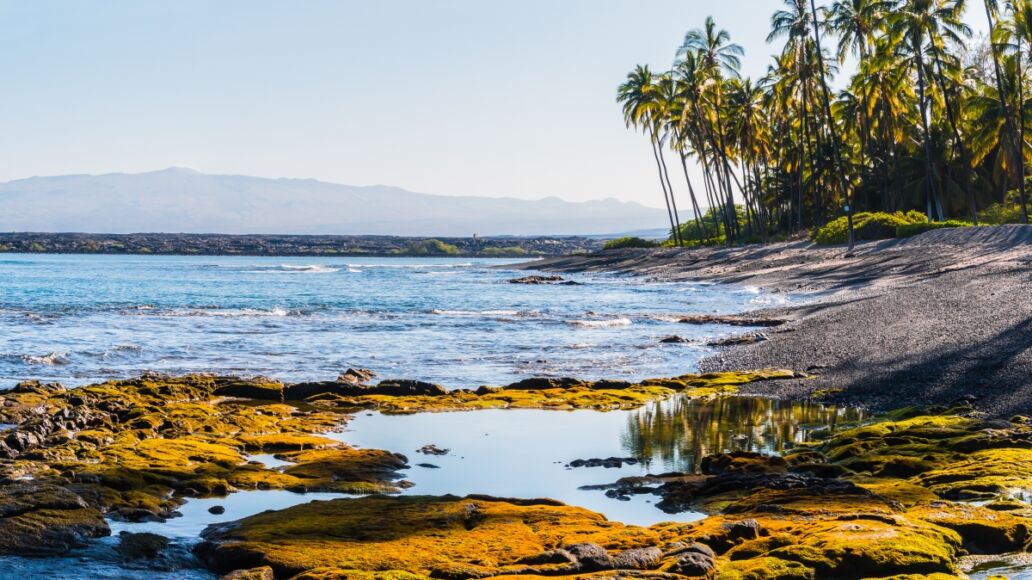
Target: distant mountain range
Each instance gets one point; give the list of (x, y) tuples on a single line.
[(178, 200)]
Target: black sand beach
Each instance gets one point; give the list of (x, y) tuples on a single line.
[(925, 320)]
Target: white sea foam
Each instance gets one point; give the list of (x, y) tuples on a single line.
[(277, 312), (307, 269), (52, 359), (608, 323)]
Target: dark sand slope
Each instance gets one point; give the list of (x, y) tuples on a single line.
[(902, 322)]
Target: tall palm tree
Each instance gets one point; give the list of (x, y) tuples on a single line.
[(639, 97), (1019, 31), (717, 56), (857, 24), (840, 169), (992, 9), (923, 23)]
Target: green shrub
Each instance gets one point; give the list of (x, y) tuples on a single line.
[(866, 226), (629, 242), (908, 230), (506, 251), (431, 247), (999, 214)]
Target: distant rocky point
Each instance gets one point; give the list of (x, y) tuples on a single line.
[(292, 245)]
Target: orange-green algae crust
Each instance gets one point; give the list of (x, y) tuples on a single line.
[(564, 394), (441, 536)]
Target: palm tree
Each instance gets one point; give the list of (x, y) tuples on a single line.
[(835, 147), (857, 22), (716, 56), (639, 96), (938, 22), (1019, 31), (991, 11)]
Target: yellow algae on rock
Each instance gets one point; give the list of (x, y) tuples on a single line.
[(443, 536)]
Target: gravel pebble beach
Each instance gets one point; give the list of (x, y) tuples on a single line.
[(925, 320)]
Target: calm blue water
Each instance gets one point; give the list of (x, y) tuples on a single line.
[(79, 319)]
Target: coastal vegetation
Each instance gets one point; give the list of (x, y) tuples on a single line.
[(431, 247), (629, 242), (931, 120)]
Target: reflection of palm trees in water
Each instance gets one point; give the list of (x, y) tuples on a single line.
[(673, 435)]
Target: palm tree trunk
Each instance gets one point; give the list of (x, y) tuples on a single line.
[(666, 197), (700, 226), (965, 159), (1021, 135), (933, 199), (678, 238), (840, 169), (999, 88)]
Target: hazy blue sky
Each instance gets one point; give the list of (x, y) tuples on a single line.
[(499, 97)]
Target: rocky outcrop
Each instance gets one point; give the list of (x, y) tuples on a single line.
[(544, 280), (38, 519)]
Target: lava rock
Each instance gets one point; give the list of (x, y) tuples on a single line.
[(432, 449), (356, 376), (637, 559), (591, 557), (141, 546)]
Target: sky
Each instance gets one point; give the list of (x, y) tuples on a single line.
[(457, 97)]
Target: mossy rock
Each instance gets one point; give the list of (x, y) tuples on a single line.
[(443, 536)]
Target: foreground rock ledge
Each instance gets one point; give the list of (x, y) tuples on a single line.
[(884, 500), (134, 449)]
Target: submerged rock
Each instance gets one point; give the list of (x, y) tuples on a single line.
[(141, 546), (537, 280), (609, 463)]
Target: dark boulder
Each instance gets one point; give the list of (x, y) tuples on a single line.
[(694, 564), (45, 520), (591, 557), (431, 449), (540, 383), (142, 546), (538, 280), (637, 559), (356, 376)]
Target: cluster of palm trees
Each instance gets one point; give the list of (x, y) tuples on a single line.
[(930, 120)]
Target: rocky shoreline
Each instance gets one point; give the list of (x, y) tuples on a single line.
[(929, 319), (291, 245), (890, 497)]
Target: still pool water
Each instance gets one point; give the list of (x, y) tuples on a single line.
[(526, 453), (458, 322)]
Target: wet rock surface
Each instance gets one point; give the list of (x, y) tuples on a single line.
[(609, 462), (41, 519), (544, 280), (431, 449)]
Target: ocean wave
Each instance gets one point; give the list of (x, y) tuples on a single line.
[(303, 269), (608, 323), (50, 360), (413, 266), (489, 313), (215, 312)]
